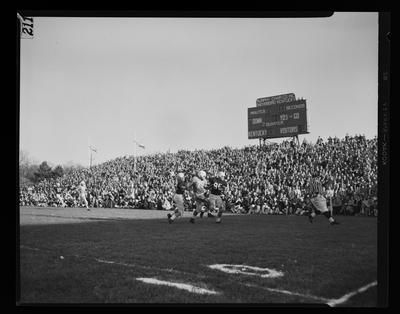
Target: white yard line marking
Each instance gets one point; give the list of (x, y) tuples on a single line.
[(183, 286), (347, 296), (170, 270), (272, 273), (308, 296), (247, 270), (330, 302), (32, 248)]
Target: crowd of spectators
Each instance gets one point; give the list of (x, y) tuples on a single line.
[(264, 179)]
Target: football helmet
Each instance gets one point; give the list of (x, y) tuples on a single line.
[(202, 174)]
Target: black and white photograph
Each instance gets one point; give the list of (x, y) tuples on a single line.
[(178, 160)]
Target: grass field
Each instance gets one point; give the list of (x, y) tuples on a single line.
[(74, 256)]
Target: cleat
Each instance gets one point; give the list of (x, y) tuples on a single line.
[(169, 219), (209, 215), (310, 218), (334, 223), (201, 214), (218, 220), (191, 220)]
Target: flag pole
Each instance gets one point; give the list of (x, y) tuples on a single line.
[(134, 154), (88, 142)]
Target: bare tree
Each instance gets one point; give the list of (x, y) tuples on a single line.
[(24, 159), (27, 168)]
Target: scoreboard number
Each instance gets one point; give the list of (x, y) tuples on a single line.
[(281, 119)]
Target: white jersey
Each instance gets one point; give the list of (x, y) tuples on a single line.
[(82, 190), (132, 191), (329, 193), (320, 203), (199, 185)]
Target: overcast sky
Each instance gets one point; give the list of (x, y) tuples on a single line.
[(186, 83)]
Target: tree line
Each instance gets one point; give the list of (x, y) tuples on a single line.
[(33, 173)]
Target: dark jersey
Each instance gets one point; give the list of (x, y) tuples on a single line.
[(217, 186), (180, 187)]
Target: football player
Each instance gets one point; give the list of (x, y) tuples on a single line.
[(218, 187), (58, 191), (329, 193), (131, 192), (82, 194), (178, 199), (198, 185), (318, 201)]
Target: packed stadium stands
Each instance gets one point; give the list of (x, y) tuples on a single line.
[(269, 179)]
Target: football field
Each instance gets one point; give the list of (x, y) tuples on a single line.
[(70, 255)]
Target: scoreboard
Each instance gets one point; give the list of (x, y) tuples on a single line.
[(278, 99), (278, 120)]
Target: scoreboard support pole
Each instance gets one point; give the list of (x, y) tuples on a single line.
[(296, 137)]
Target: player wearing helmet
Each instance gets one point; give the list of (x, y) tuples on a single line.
[(198, 184), (218, 187), (178, 199), (82, 194), (58, 191), (318, 201)]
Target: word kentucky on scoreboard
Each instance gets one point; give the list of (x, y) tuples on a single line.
[(277, 116)]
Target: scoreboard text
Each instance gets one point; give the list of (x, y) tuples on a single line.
[(278, 120)]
